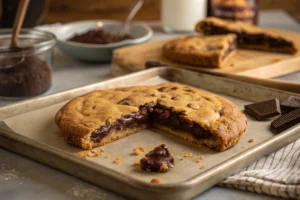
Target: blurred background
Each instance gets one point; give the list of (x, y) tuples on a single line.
[(52, 11)]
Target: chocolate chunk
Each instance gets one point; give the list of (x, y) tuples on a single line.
[(222, 112), (162, 89), (290, 104), (175, 97), (264, 110), (151, 64), (193, 106), (286, 121), (158, 160)]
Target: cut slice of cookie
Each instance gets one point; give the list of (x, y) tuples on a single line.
[(249, 36), (104, 116), (211, 51)]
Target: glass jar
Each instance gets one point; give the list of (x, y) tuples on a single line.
[(235, 10), (26, 70), (182, 15)]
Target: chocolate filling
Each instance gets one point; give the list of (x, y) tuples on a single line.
[(232, 46), (247, 39), (178, 121), (156, 114), (132, 120)]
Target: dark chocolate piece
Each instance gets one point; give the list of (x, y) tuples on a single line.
[(286, 121), (264, 110), (290, 104), (158, 160), (151, 64)]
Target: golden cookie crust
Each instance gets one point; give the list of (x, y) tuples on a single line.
[(239, 27), (82, 115), (210, 51)]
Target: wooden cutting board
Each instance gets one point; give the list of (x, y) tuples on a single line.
[(258, 64)]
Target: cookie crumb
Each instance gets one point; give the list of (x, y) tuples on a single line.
[(163, 168), (117, 161), (202, 167), (107, 156), (89, 153), (243, 147), (156, 180), (189, 155), (276, 60), (101, 150), (139, 150), (251, 140), (200, 159), (137, 163), (58, 134)]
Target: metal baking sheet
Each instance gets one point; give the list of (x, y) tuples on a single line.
[(28, 128)]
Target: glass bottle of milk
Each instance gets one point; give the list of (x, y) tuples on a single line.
[(182, 15)]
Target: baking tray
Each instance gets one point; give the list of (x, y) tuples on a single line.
[(28, 128)]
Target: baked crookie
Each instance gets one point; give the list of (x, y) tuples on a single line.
[(104, 116), (249, 36), (210, 51)]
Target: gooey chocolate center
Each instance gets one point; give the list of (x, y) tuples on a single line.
[(148, 114), (247, 39)]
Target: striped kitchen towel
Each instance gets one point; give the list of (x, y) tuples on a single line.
[(277, 174)]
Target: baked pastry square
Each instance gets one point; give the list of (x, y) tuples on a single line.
[(211, 51), (104, 116), (249, 36)]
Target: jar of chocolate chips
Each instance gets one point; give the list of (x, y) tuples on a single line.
[(25, 70)]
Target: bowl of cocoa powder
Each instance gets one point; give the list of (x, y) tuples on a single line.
[(93, 41)]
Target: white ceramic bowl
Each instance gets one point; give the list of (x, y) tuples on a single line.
[(98, 52)]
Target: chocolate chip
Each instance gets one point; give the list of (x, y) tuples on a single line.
[(286, 121), (175, 97), (162, 89), (222, 112), (290, 104), (193, 106), (264, 110), (152, 95), (189, 90), (174, 88), (151, 64), (127, 102)]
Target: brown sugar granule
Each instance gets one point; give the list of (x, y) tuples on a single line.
[(251, 140), (139, 150), (117, 161), (156, 180), (202, 167)]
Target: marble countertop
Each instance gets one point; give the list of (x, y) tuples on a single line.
[(22, 178)]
